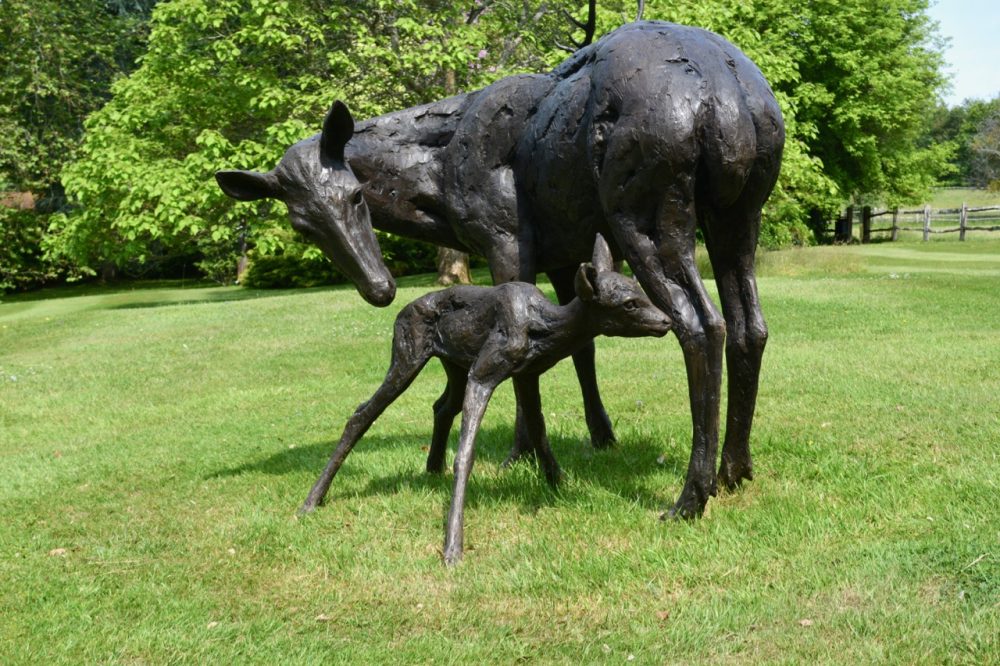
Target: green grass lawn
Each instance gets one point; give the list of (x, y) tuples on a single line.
[(155, 445), (954, 197), (944, 226)]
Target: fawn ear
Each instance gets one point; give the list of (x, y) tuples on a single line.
[(602, 255), (586, 283), (338, 128)]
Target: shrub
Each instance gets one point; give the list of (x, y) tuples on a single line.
[(22, 263), (301, 265)]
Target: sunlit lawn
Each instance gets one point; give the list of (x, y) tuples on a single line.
[(954, 197), (156, 443)]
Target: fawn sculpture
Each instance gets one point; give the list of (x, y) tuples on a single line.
[(484, 335)]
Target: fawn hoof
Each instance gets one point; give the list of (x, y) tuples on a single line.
[(518, 454), (452, 555), (308, 507)]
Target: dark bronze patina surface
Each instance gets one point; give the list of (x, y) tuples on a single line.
[(484, 335), (644, 136)]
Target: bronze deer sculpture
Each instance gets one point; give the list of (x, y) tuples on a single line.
[(483, 336), (645, 136)]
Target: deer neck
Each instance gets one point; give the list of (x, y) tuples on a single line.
[(400, 158), (573, 326)]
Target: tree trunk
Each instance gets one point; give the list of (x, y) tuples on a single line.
[(452, 265)]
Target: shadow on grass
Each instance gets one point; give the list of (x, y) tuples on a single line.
[(104, 289), (619, 470), (423, 281), (209, 298)]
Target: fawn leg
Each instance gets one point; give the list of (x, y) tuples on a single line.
[(601, 433), (477, 395), (401, 373), (526, 390), (508, 263), (445, 410)]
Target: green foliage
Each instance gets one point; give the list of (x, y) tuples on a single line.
[(283, 271), (870, 71), (958, 127), (21, 262), (985, 149), (57, 61), (298, 264), (234, 83)]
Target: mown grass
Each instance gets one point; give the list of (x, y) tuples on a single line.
[(155, 445), (954, 197), (944, 226)]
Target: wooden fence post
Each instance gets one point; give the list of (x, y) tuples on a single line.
[(963, 221), (838, 228), (845, 226), (927, 222), (895, 223), (866, 224)]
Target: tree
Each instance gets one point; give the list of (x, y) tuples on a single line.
[(234, 82), (57, 61), (985, 150), (958, 127)]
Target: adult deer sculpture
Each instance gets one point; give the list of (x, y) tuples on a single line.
[(644, 136)]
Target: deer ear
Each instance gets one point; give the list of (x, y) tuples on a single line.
[(248, 185), (338, 128), (586, 283), (602, 255)]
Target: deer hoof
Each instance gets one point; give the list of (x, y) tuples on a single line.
[(733, 473)]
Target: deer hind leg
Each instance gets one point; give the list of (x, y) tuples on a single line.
[(446, 409), (405, 366), (668, 274), (601, 433), (731, 242)]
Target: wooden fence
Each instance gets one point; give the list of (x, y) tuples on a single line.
[(925, 220)]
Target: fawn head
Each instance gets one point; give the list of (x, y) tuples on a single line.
[(616, 303)]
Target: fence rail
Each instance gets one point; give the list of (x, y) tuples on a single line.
[(959, 220)]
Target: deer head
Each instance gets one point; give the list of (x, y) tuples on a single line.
[(325, 203)]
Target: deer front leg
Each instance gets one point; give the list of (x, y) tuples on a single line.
[(671, 280), (477, 395)]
